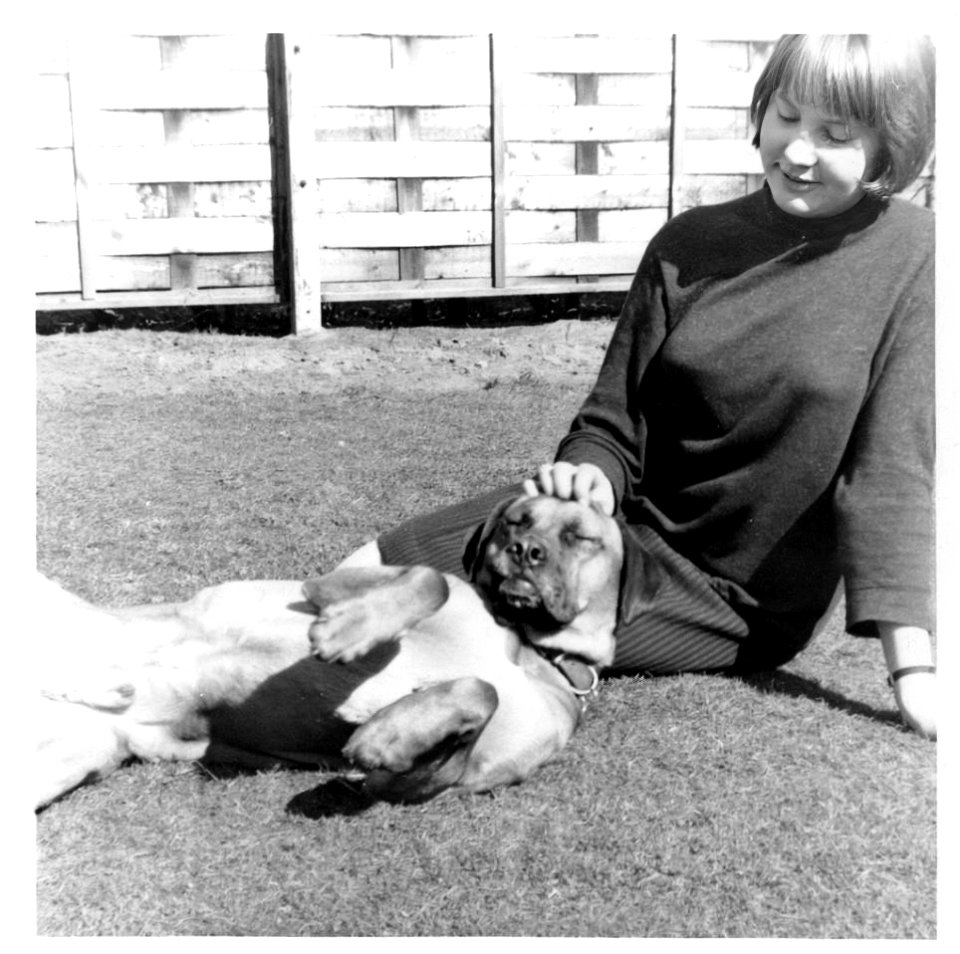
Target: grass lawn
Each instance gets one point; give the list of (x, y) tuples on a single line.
[(788, 805)]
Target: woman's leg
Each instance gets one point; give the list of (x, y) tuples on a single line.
[(672, 618), (438, 539), (686, 625)]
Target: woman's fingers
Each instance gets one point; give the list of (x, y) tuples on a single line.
[(584, 482)]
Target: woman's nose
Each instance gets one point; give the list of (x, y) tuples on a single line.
[(800, 151)]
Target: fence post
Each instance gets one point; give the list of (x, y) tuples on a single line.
[(677, 128), (82, 122), (181, 196), (498, 146), (296, 223)]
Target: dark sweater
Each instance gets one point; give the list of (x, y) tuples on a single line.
[(767, 404)]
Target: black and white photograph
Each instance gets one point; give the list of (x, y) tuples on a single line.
[(486, 480)]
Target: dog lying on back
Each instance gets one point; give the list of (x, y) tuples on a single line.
[(422, 680)]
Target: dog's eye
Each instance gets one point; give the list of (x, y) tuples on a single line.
[(523, 523), (573, 536)]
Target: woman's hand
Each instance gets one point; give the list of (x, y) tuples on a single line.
[(915, 692), (584, 482)]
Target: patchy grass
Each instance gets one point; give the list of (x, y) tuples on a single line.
[(787, 805)]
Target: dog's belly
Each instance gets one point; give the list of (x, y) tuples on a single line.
[(311, 707), (436, 650)]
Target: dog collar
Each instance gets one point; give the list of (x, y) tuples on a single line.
[(582, 677)]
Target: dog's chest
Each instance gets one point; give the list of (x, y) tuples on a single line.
[(459, 640)]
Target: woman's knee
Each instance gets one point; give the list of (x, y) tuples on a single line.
[(367, 555)]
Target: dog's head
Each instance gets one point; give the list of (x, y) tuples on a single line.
[(551, 568)]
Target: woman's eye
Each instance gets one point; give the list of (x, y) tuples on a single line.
[(787, 119)]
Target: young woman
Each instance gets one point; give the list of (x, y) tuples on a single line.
[(762, 423)]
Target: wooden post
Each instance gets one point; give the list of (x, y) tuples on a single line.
[(588, 220), (296, 223), (498, 241), (677, 129), (181, 196), (81, 119), (406, 126)]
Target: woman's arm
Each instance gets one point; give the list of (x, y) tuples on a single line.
[(905, 647), (609, 431)]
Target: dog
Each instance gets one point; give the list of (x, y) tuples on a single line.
[(423, 681)]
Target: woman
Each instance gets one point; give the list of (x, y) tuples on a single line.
[(762, 423)]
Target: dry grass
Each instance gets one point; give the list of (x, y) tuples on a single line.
[(791, 805)]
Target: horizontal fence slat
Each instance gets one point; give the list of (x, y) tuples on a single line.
[(575, 258), (403, 230), (182, 89), (587, 192), (458, 263), (229, 51), (721, 88), (719, 157), (56, 239), (152, 272), (649, 54), (629, 225), (57, 273), (389, 291), (412, 159), (430, 229), (401, 87), (359, 265), (199, 127), (181, 164), (586, 123), (160, 299), (631, 89), (182, 235), (140, 273)]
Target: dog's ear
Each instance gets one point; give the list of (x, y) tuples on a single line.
[(641, 577), (476, 544)]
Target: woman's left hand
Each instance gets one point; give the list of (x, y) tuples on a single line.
[(916, 695), (906, 647)]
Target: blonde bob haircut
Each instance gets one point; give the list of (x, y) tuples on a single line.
[(885, 82)]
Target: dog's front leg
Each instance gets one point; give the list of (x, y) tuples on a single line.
[(362, 608), (421, 744)]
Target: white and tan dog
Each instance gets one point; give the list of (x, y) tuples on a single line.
[(422, 680)]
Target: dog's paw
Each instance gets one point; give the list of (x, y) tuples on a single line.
[(379, 745), (114, 698), (347, 630), (427, 724)]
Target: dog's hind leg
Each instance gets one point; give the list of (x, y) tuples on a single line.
[(420, 745), (75, 745)]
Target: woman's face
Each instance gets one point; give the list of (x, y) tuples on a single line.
[(814, 163)]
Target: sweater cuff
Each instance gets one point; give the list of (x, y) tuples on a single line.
[(908, 607), (590, 452)]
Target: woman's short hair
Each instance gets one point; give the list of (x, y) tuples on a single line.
[(884, 82)]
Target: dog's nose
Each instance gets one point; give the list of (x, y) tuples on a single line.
[(527, 552)]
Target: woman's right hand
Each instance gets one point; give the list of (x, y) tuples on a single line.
[(584, 482)]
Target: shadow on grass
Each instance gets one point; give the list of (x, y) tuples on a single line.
[(790, 684), (338, 796)]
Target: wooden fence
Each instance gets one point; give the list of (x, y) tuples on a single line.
[(153, 172), (317, 168)]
